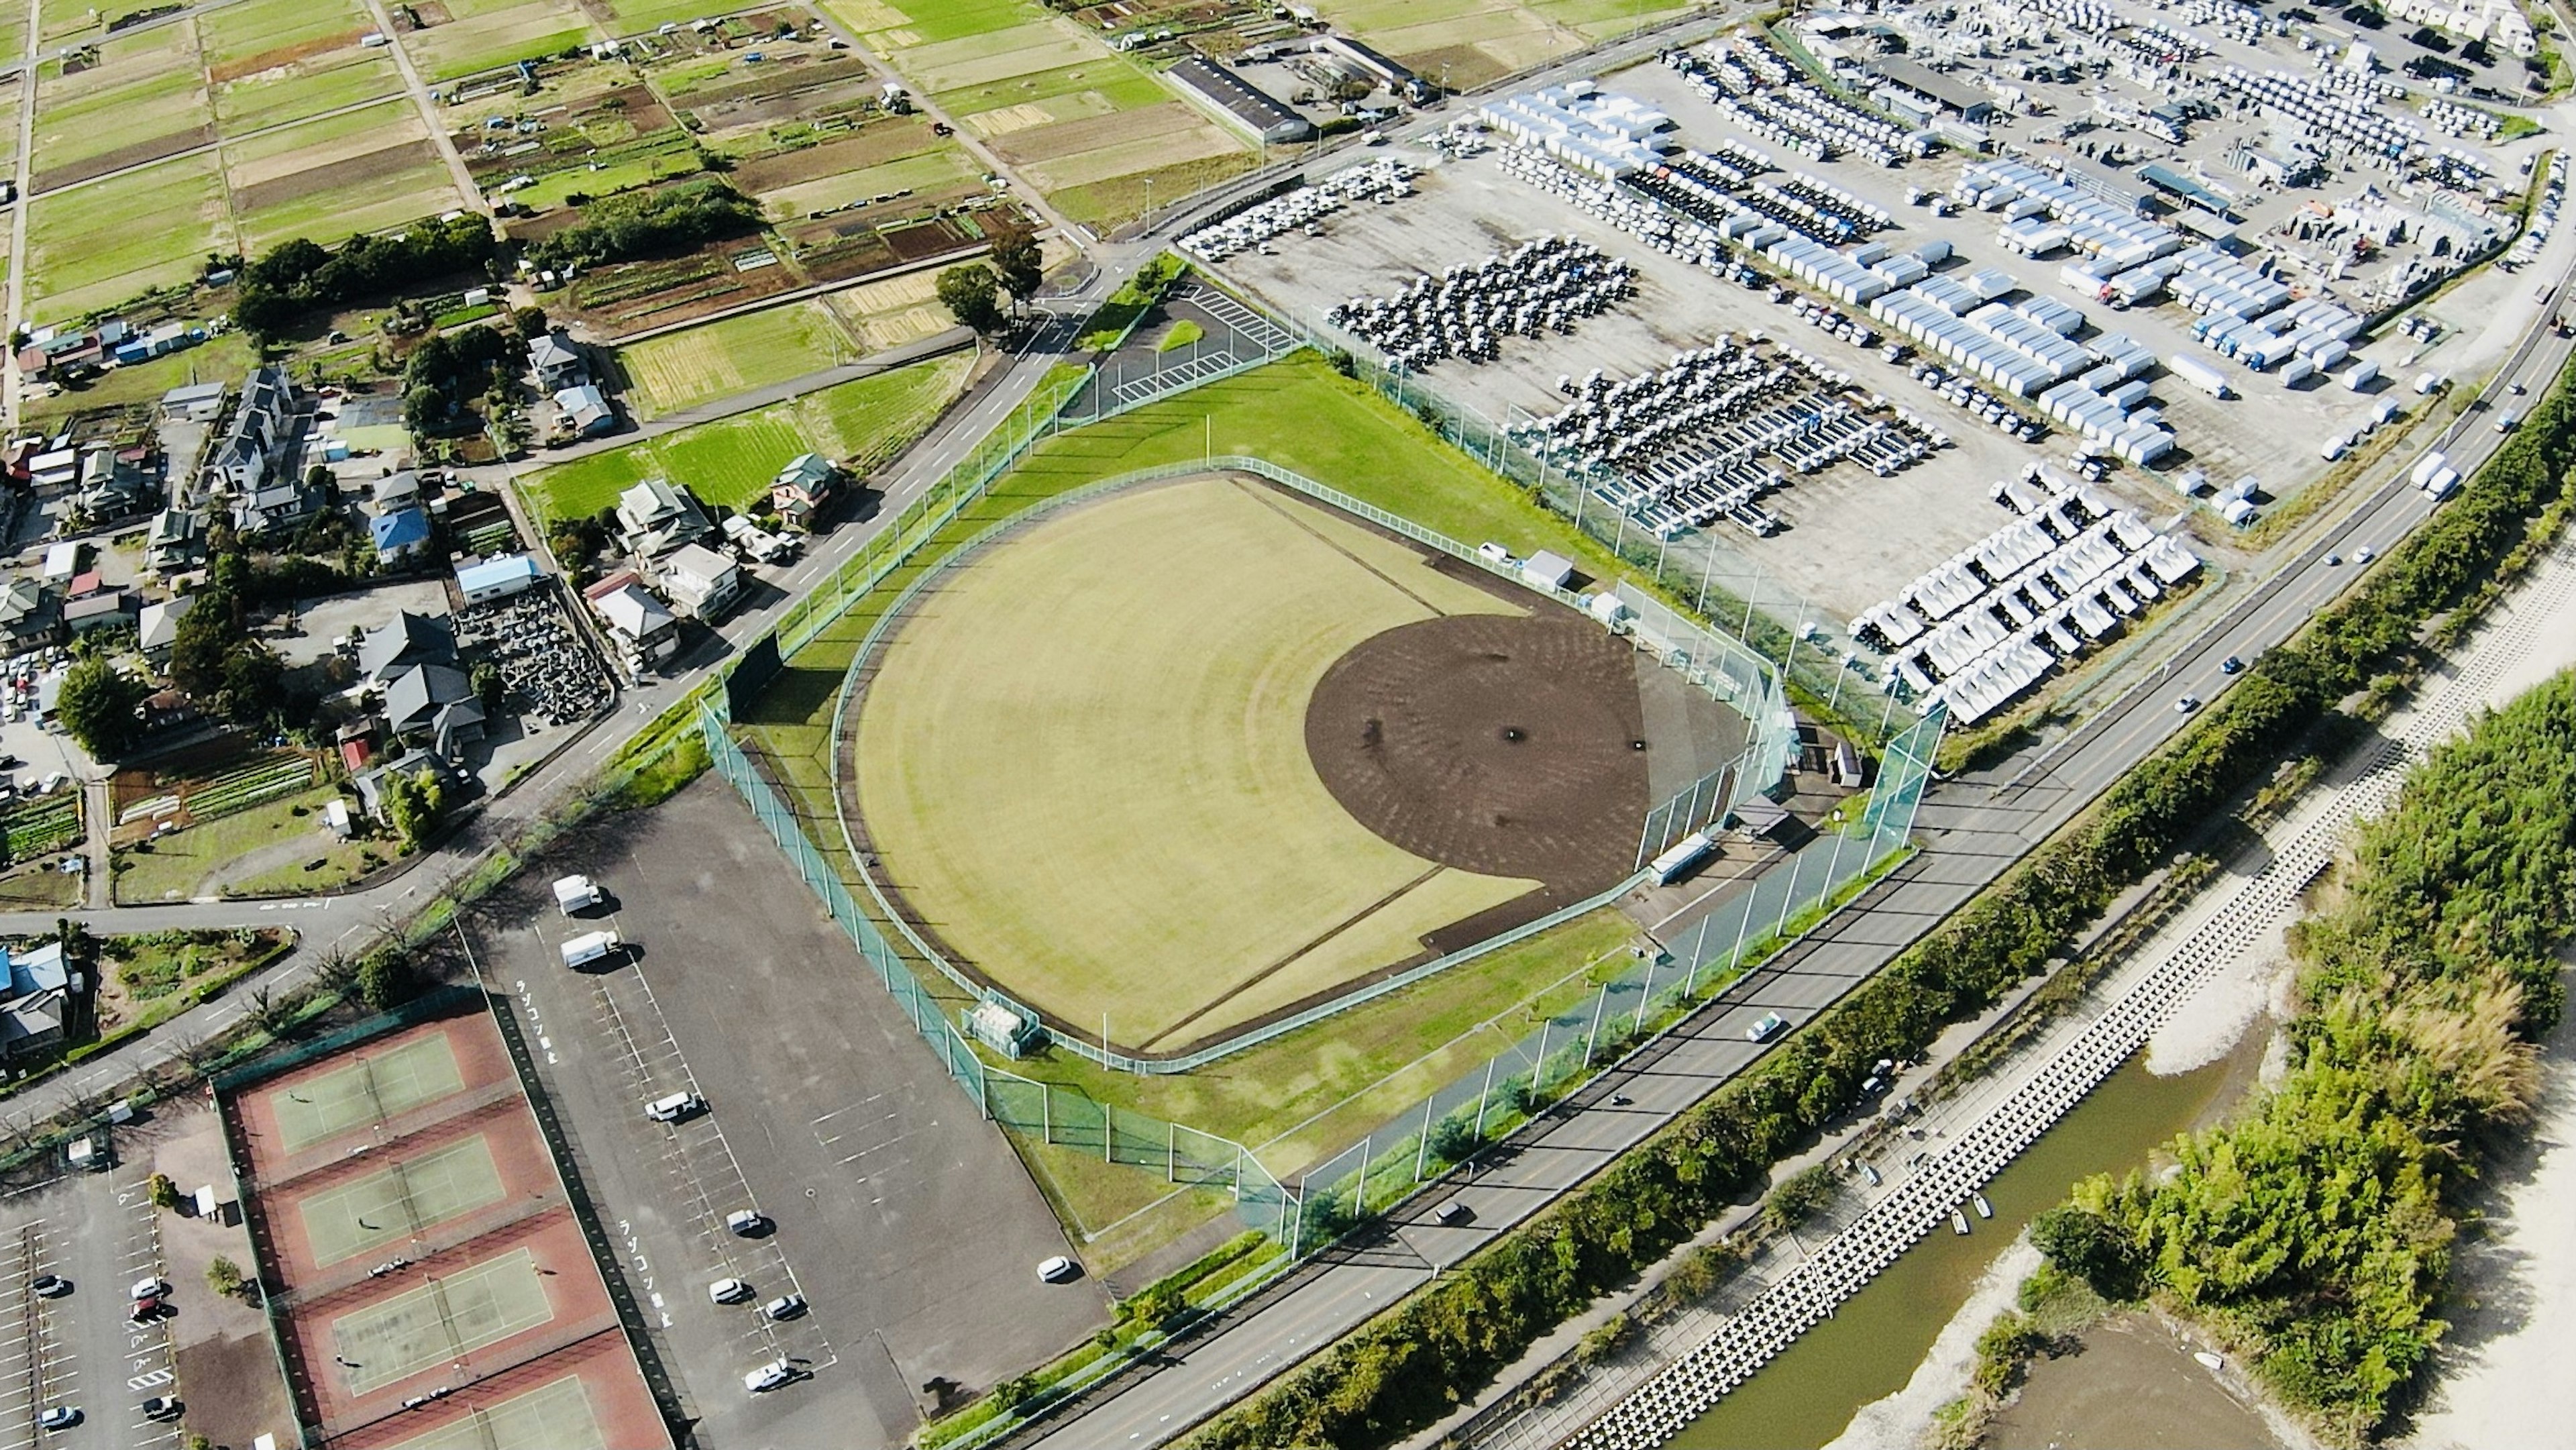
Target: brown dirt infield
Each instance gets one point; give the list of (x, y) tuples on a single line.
[(1507, 747)]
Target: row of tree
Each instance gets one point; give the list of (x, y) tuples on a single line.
[(2316, 1232), (973, 293), (1418, 1362), (297, 276), (647, 223)]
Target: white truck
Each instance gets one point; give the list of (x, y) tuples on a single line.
[(2200, 375), (591, 947)]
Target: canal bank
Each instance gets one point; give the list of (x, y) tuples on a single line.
[(1872, 1345)]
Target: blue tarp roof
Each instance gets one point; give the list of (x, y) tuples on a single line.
[(401, 529), (36, 970)]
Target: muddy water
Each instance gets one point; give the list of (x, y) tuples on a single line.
[(1870, 1348)]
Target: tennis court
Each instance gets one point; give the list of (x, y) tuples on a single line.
[(368, 1090), (404, 1198), (556, 1416), (444, 1319)]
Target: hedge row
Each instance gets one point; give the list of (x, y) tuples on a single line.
[(1413, 1365)]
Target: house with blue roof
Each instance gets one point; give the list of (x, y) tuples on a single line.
[(401, 534)]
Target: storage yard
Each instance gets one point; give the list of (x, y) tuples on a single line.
[(1980, 362)]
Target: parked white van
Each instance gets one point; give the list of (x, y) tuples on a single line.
[(590, 947)]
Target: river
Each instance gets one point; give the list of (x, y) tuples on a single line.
[(1871, 1346)]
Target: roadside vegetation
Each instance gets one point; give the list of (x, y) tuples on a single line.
[(1412, 1365)]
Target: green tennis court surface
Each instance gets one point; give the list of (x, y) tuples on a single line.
[(369, 1090), (365, 1214), (441, 1320), (550, 1417)]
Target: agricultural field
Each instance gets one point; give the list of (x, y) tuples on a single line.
[(361, 171), (120, 103), (1084, 124), (718, 359), (100, 243), (463, 37), (893, 312), (278, 846), (227, 356), (40, 827), (275, 61), (588, 139), (1472, 43), (731, 462)]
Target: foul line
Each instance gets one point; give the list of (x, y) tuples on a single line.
[(1281, 965), (1263, 496)]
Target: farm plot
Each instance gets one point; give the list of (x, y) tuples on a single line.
[(1473, 43), (41, 826), (892, 312), (360, 172), (632, 296), (481, 35), (118, 104), (101, 243), (595, 145), (731, 462), (700, 364), (1016, 74), (275, 61)]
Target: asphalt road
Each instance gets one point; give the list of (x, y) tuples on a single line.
[(1973, 828)]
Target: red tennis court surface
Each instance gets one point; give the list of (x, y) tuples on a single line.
[(432, 1285)]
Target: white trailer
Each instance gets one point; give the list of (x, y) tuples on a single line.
[(2200, 375), (576, 894)]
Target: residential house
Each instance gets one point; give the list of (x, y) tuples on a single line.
[(62, 355), (401, 536), (370, 783), (700, 583), (194, 403), (804, 489), (110, 486), (157, 630), (279, 505), (557, 363), (585, 410), (54, 468), (260, 442), (655, 519), (396, 491), (648, 631), (177, 543), (498, 577), (434, 706), (30, 616), (411, 639), (107, 609)]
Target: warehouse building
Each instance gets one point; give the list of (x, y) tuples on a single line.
[(1239, 102)]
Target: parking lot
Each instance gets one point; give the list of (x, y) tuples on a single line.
[(101, 1233), (904, 1219)]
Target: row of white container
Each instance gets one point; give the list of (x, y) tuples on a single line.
[(1956, 582), (1605, 135), (1996, 662), (2092, 225)]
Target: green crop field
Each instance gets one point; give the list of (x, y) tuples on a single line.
[(102, 243), (228, 356), (1158, 851), (731, 462), (274, 61), (701, 364), (489, 34)]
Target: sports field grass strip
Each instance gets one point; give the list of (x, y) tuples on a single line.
[(369, 1090), (445, 1319), (400, 1200), (553, 1416)]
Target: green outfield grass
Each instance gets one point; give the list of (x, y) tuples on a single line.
[(701, 364), (1164, 843), (105, 242), (732, 461)]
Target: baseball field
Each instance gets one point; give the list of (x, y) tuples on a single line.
[(1194, 754)]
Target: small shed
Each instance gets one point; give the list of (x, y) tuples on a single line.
[(1547, 570), (495, 578)]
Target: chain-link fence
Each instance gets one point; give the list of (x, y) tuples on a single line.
[(1792, 897)]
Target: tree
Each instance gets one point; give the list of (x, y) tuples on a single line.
[(414, 802), (424, 410), (161, 1193), (385, 979), (1017, 260), (969, 293), (97, 706), (488, 686), (224, 1276), (530, 322)]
